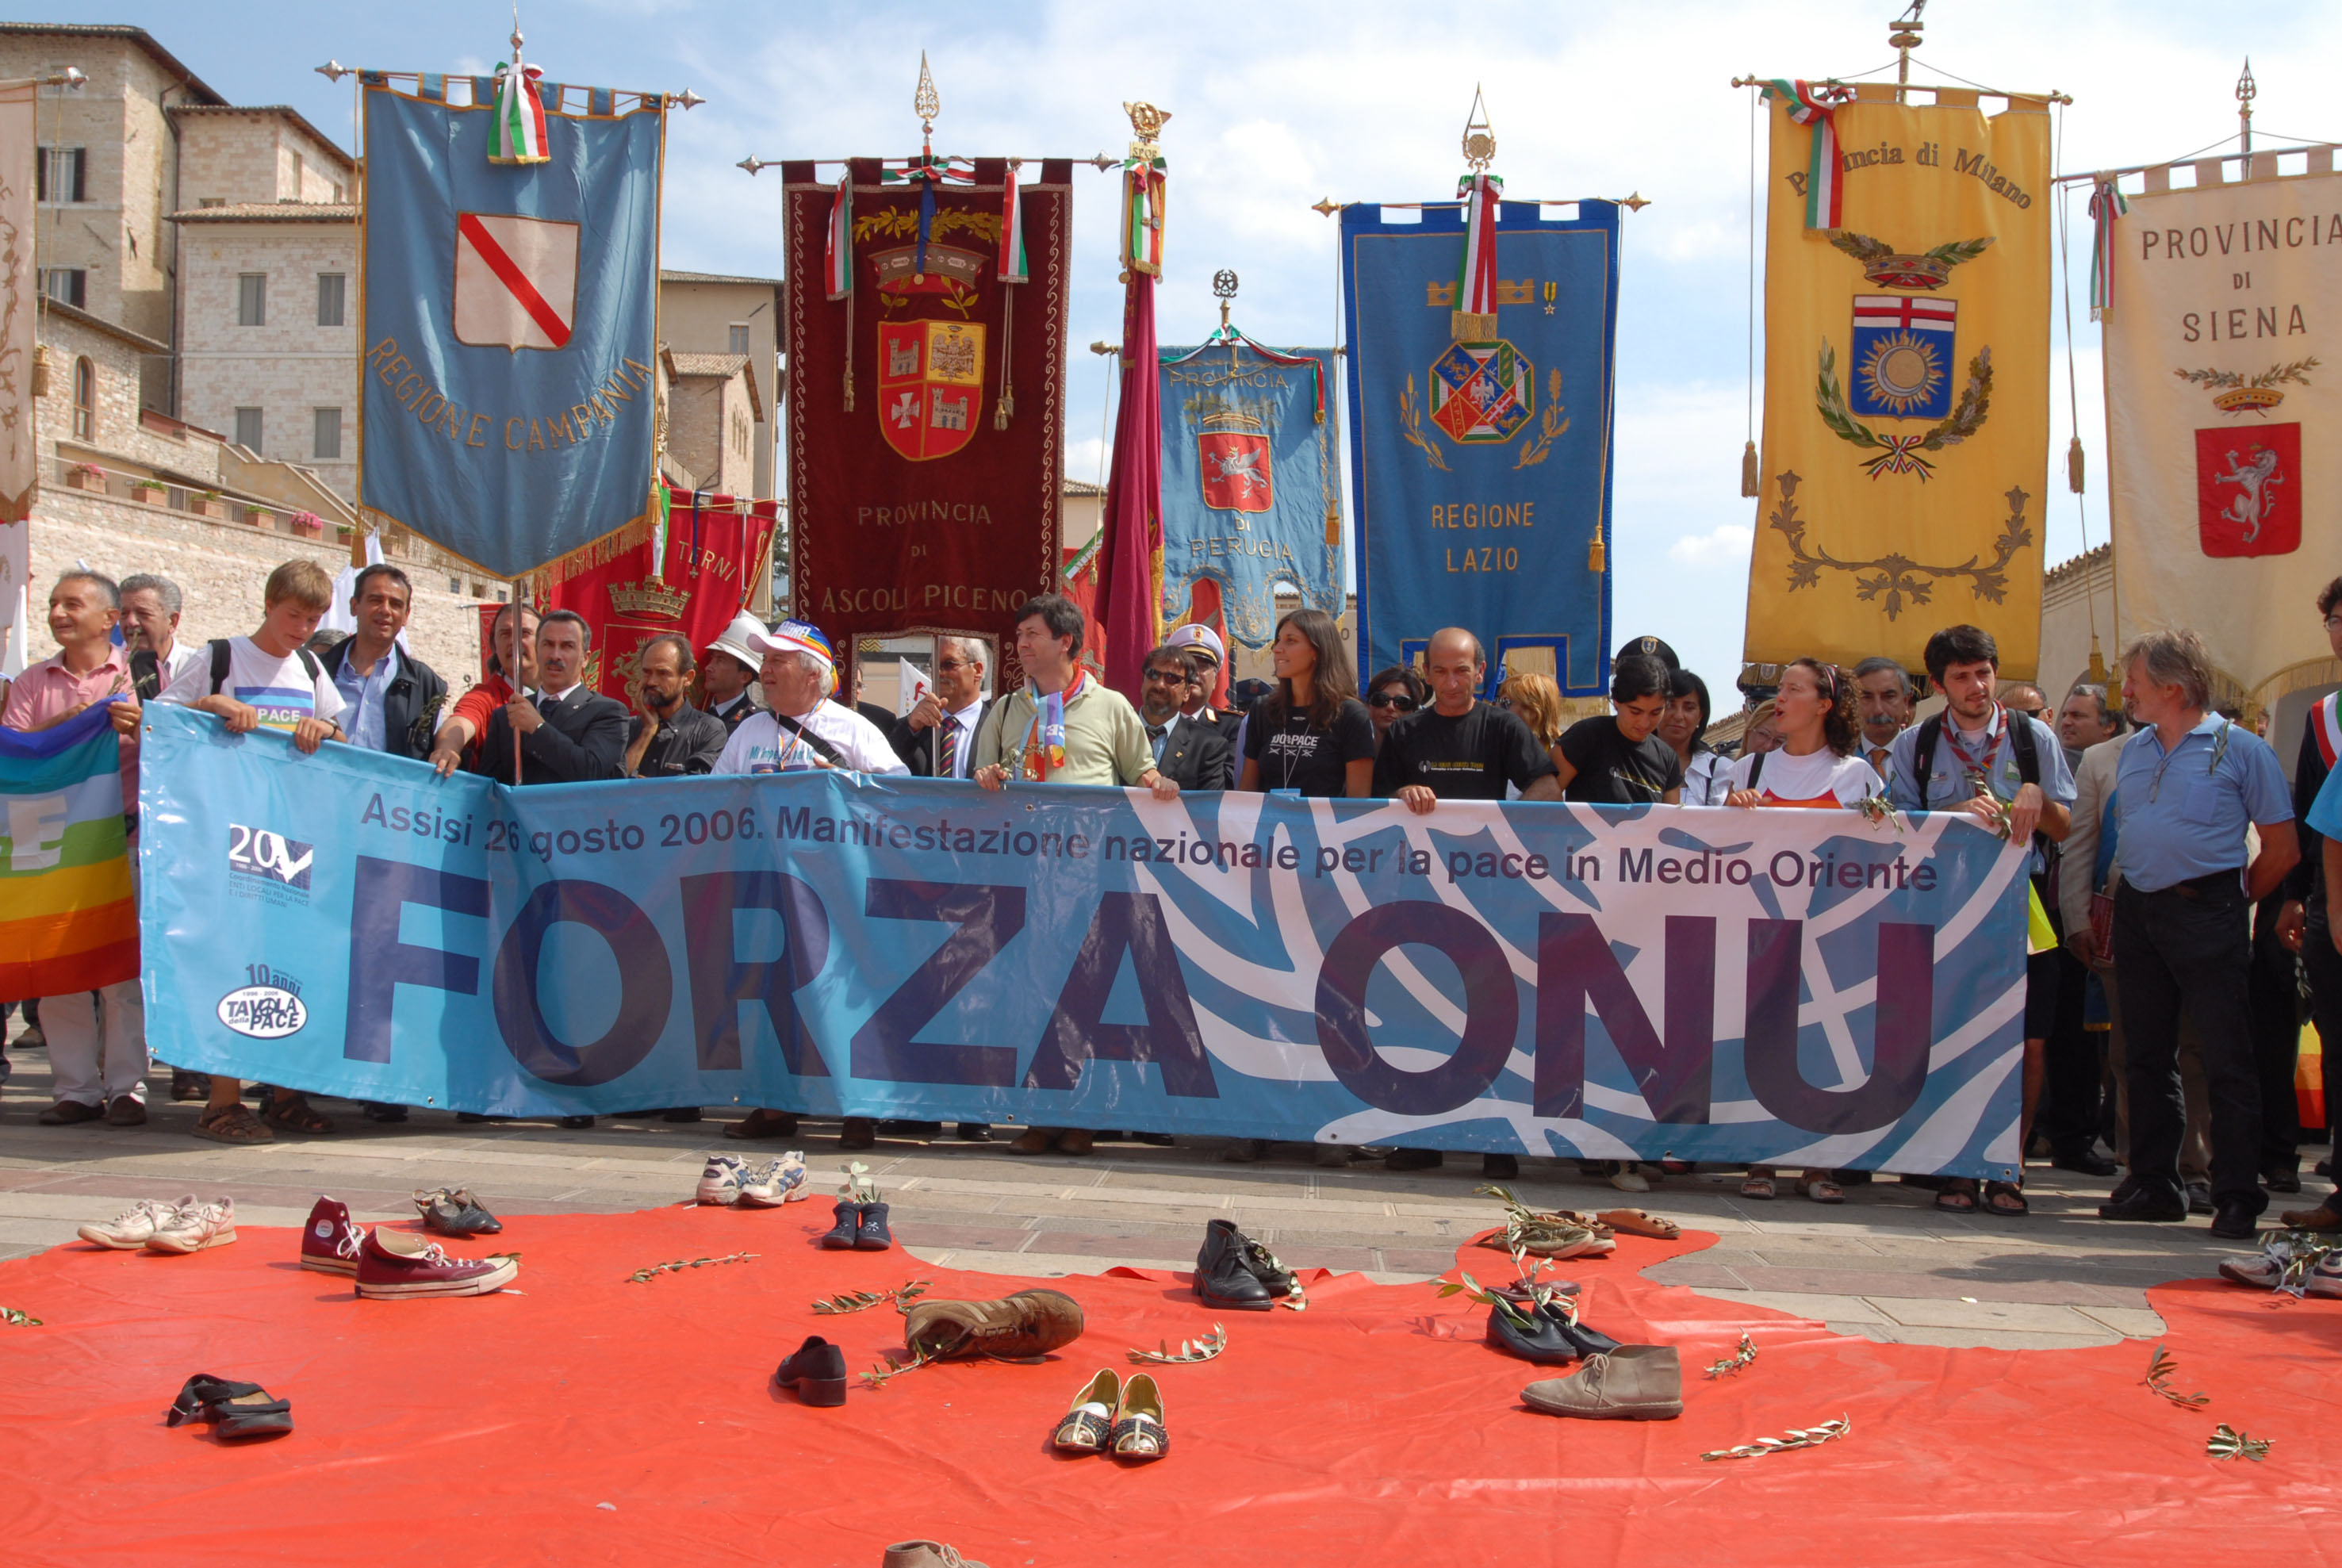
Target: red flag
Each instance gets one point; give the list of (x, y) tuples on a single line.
[(1130, 561)]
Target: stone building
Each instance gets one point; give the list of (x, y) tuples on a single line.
[(711, 313)]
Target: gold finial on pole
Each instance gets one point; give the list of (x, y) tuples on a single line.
[(1224, 284), (1903, 36), (2245, 93), (925, 103), (1479, 137), (516, 35), (1146, 122)]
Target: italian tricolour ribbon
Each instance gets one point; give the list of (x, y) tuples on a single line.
[(1476, 275), (518, 135), (1815, 104), (1013, 267), (1047, 747), (2106, 205)]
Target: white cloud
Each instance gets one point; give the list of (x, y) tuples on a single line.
[(1725, 544)]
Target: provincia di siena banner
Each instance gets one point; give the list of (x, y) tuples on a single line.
[(1791, 987)]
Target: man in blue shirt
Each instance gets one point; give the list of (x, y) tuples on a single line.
[(2187, 787), (1982, 758), (391, 700)]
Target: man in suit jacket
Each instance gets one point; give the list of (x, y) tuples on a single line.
[(937, 738), (1192, 752), (568, 733)]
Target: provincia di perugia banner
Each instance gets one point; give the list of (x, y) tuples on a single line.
[(1791, 987)]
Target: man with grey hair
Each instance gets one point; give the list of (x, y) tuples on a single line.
[(1882, 703), (936, 739), (150, 630), (2188, 787), (2085, 719)]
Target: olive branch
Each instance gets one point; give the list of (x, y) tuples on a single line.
[(1966, 417), (2228, 1442), (1737, 1359), (644, 1276), (1796, 1437), (846, 1301), (1190, 1351), (16, 1317), (1410, 419), (2276, 375), (1555, 422), (2160, 1369)]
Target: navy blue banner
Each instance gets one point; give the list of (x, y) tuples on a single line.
[(509, 318), (1795, 987), (1480, 467)]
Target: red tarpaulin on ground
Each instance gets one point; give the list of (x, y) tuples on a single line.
[(584, 1419)]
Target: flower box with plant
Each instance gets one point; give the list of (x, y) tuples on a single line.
[(148, 493), (308, 525), (86, 476), (208, 503), (260, 518)]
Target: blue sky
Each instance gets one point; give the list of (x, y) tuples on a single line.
[(1277, 106)]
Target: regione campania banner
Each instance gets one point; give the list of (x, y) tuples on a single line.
[(2224, 409), (925, 398), (1251, 481), (1906, 379), (1791, 987), (1480, 464), (510, 319)]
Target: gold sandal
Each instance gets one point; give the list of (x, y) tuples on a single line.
[(1139, 1432), (1085, 1427)]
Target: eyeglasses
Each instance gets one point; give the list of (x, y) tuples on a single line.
[(1390, 700), (957, 665), (1166, 677)]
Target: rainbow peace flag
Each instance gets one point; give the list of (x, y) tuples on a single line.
[(68, 921)]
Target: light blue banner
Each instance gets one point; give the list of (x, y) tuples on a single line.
[(507, 394), (1795, 987), (1252, 492), (1480, 467)]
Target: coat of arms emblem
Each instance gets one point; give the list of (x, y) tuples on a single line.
[(1235, 465), (2249, 490), (516, 281), (1482, 393), (930, 385)]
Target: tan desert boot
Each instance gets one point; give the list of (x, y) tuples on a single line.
[(1026, 1323), (924, 1554), (1633, 1383)]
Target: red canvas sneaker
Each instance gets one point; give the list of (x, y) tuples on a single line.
[(393, 1264), (329, 1242)]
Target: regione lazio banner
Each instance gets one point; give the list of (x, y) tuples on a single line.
[(717, 550), (1791, 987), (1480, 460), (1906, 379), (509, 318), (1251, 485), (925, 397), (2224, 415)]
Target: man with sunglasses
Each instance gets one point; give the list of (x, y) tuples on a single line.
[(937, 738), (1392, 696), (1205, 654)]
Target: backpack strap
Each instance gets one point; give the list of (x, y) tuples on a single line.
[(219, 663), (1923, 754), (2025, 749), (309, 662), (1756, 768)]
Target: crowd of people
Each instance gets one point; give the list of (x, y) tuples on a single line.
[(2160, 1032)]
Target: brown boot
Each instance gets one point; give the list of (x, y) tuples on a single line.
[(1037, 1141), (925, 1555), (1026, 1323), (1633, 1383)]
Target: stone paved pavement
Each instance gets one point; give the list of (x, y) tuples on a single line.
[(1884, 1265)]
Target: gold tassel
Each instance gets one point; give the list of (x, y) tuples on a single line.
[(1750, 487), (1596, 557), (2074, 466), (40, 370)]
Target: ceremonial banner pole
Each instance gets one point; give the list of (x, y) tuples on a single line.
[(1130, 569)]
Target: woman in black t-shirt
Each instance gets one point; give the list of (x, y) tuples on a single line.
[(1312, 734)]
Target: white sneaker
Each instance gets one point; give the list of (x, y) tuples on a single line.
[(136, 1225), (774, 1183), (1627, 1178), (719, 1183), (2326, 1279), (2262, 1271), (192, 1226)]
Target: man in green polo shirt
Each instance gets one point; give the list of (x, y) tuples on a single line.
[(1065, 727)]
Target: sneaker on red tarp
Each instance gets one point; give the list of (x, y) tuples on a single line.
[(329, 1242), (394, 1264)]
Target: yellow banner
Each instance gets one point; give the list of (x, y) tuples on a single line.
[(1906, 386)]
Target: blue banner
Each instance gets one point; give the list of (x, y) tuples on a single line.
[(1480, 466), (1251, 485), (1795, 987), (509, 318)]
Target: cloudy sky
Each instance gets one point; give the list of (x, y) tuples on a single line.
[(1277, 106)]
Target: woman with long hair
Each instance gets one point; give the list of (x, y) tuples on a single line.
[(1394, 694), (1311, 733), (1682, 725), (1813, 766)]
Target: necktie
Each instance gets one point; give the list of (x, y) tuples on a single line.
[(1878, 755), (948, 748), (1156, 735)]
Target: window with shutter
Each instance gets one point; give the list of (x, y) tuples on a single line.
[(252, 299)]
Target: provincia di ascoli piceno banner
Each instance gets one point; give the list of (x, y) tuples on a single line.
[(1787, 986)]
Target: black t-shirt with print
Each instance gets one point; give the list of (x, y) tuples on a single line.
[(1471, 756), (1612, 770), (1296, 756)]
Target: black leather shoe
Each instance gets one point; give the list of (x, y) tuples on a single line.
[(842, 1235), (1222, 1278), (1500, 1168), (1413, 1160), (817, 1372), (1548, 1342), (1250, 1255), (375, 1111), (2164, 1207), (2199, 1199), (858, 1133), (2087, 1163), (453, 1211), (976, 1132), (871, 1235), (575, 1121), (2235, 1220), (2282, 1181), (680, 1114)]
